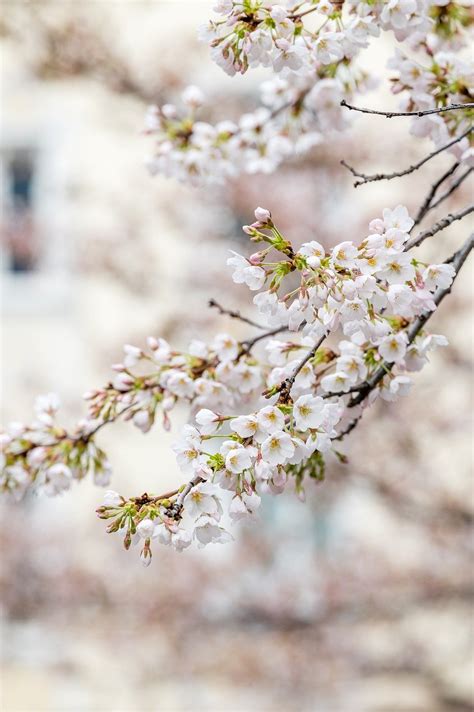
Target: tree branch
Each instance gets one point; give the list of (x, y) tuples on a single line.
[(353, 424), (233, 314), (453, 187), (175, 509), (246, 346), (426, 206), (393, 114), (398, 174), (437, 227)]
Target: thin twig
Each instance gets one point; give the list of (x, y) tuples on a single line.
[(248, 344), (393, 114), (233, 314), (349, 428), (398, 174), (98, 427), (166, 495), (453, 187), (437, 227), (427, 202), (297, 16), (457, 260), (287, 384)]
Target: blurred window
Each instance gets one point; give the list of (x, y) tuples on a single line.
[(19, 236)]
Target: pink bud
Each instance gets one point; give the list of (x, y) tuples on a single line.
[(152, 343), (122, 382), (256, 258), (119, 367), (263, 215)]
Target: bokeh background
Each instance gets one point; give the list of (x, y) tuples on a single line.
[(359, 600)]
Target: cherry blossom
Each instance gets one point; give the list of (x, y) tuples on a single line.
[(337, 328)]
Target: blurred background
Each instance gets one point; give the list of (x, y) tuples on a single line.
[(359, 600)]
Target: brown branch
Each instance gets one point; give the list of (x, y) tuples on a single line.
[(353, 424), (393, 114), (457, 260), (88, 436), (297, 16), (398, 174), (453, 187), (233, 314), (166, 495), (426, 206), (247, 345), (437, 227)]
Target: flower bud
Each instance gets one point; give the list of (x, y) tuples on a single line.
[(123, 382), (169, 111), (263, 215), (142, 420), (112, 499), (153, 343), (145, 556), (193, 97), (257, 258), (145, 528)]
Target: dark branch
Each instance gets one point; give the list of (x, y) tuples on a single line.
[(453, 187), (350, 427), (437, 227), (102, 424), (398, 174), (248, 344), (392, 114), (233, 314), (427, 202)]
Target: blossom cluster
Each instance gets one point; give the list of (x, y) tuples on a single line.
[(259, 423), (311, 48), (251, 33), (47, 458), (369, 294), (445, 78), (152, 380), (369, 291), (257, 455), (292, 118)]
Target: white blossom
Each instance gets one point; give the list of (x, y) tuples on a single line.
[(277, 448), (308, 412)]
